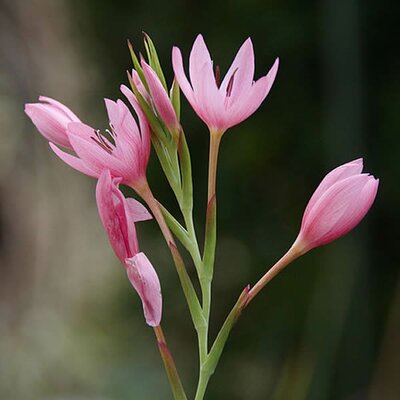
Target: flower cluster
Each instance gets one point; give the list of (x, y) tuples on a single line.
[(120, 154)]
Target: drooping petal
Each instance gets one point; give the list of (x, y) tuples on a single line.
[(110, 204), (136, 211), (144, 279)]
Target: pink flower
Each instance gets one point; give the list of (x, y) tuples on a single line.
[(340, 202), (51, 118), (118, 216), (124, 151), (162, 102), (235, 99)]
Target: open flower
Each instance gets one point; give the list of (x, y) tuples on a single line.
[(51, 118), (339, 203), (124, 149), (118, 216), (224, 105)]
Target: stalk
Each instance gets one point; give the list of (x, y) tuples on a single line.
[(169, 364), (190, 294), (207, 271)]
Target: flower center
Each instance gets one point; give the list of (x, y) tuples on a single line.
[(103, 141)]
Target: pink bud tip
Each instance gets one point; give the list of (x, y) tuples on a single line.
[(339, 203)]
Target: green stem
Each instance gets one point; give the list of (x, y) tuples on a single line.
[(293, 253), (169, 364), (244, 299), (207, 270), (190, 294)]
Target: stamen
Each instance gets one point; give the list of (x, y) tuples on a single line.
[(113, 133), (217, 75), (99, 139), (230, 84)]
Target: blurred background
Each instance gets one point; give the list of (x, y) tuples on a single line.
[(327, 328)]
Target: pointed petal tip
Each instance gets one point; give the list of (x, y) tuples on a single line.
[(199, 37), (29, 109), (248, 42)]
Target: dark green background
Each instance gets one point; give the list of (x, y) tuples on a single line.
[(328, 326)]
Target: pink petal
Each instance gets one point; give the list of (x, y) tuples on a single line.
[(145, 134), (210, 103), (136, 211), (74, 162), (180, 75), (112, 111), (342, 172), (199, 57), (94, 156), (242, 107), (339, 209), (144, 279), (243, 68), (72, 116), (110, 204), (160, 97), (50, 122)]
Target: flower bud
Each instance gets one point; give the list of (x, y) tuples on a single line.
[(51, 118), (340, 202)]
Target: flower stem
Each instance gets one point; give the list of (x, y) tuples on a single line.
[(187, 286), (215, 140), (284, 261), (206, 273), (169, 364)]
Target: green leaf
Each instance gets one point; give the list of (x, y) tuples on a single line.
[(177, 229), (186, 173), (210, 237), (137, 65), (176, 98), (222, 337), (153, 59)]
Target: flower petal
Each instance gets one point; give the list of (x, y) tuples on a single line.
[(342, 172), (136, 211), (199, 57), (243, 70), (111, 207), (74, 162), (241, 108), (160, 97), (72, 116), (144, 279), (180, 75), (339, 209), (92, 154)]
